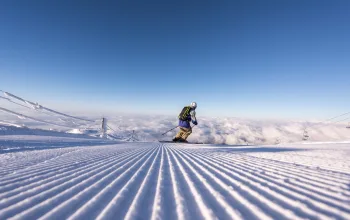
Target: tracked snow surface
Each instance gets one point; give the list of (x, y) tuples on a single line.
[(171, 181)]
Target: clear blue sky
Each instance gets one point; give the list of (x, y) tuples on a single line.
[(235, 58)]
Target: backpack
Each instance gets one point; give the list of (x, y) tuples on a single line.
[(185, 113)]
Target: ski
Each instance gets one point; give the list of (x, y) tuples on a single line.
[(173, 142)]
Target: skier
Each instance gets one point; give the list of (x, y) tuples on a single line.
[(187, 115)]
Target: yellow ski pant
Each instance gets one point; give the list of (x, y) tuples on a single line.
[(184, 133)]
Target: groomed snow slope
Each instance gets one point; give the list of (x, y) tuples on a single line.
[(176, 181)]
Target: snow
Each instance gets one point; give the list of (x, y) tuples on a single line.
[(74, 176), (75, 131), (54, 166)]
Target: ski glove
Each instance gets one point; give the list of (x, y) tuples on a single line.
[(195, 122)]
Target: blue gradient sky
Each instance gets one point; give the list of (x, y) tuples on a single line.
[(288, 59)]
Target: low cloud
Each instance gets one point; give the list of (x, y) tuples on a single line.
[(231, 131)]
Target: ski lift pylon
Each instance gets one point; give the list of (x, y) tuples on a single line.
[(305, 135)]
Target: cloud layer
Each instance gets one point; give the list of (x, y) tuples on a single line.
[(231, 131)]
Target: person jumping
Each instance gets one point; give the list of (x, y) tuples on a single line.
[(187, 115)]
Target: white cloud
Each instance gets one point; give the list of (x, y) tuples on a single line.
[(232, 130), (210, 130)]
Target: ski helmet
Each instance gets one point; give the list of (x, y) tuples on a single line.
[(193, 105)]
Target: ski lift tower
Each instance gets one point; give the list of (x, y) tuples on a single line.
[(132, 137), (104, 128), (305, 135)]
